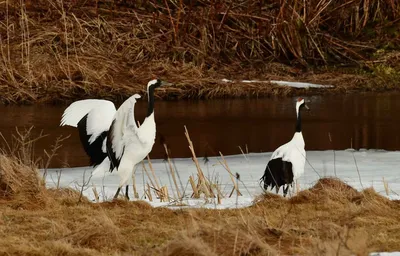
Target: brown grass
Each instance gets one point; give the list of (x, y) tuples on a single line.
[(54, 50), (331, 218)]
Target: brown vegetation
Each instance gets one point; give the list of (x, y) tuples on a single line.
[(330, 218), (62, 50)]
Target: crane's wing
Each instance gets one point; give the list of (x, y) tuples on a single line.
[(124, 121), (298, 159), (146, 133), (99, 114), (295, 154), (93, 118), (281, 151)]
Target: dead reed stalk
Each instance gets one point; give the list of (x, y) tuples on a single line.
[(171, 168), (153, 173), (203, 185), (147, 174), (164, 196), (386, 186), (226, 167)]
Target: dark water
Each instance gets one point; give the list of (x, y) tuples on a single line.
[(355, 120)]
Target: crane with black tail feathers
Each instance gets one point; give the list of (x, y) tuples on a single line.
[(287, 162), (110, 137)]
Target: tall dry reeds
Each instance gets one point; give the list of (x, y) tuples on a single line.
[(21, 184), (64, 49)]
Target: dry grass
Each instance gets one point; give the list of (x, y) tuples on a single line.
[(330, 218), (62, 50)]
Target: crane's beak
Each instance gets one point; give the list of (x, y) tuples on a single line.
[(305, 104), (163, 83)]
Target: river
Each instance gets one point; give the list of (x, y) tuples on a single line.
[(362, 120)]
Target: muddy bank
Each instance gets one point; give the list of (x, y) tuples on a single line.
[(204, 86)]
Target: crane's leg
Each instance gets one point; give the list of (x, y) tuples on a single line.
[(294, 186), (125, 170), (117, 193), (285, 190), (126, 192)]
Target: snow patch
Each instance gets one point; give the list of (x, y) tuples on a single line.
[(359, 169), (385, 254), (300, 84), (283, 83)]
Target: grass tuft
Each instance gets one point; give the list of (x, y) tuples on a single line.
[(184, 245), (19, 182), (329, 218)]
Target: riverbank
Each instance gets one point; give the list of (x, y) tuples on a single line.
[(201, 85), (53, 53), (327, 216)]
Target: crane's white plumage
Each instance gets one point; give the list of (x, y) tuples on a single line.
[(128, 143), (287, 162), (111, 137), (123, 121), (123, 125), (102, 169), (293, 152)]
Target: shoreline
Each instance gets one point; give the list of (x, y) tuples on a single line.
[(201, 88)]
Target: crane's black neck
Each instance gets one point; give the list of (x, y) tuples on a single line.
[(150, 104), (298, 122)]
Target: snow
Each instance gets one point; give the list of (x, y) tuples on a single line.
[(283, 83), (300, 84), (385, 254), (360, 169)]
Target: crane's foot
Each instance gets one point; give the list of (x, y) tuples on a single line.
[(119, 190), (126, 192)]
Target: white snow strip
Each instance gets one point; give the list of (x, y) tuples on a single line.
[(283, 83), (375, 167), (385, 254), (227, 80), (301, 84)]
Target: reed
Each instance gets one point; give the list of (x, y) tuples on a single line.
[(54, 50), (203, 184), (386, 186), (235, 185), (148, 192), (171, 168)]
